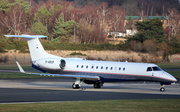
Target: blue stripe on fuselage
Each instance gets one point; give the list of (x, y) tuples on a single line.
[(108, 77), (34, 66)]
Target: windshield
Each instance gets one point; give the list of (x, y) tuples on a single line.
[(156, 68)]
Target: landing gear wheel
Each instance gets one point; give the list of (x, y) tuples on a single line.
[(162, 89), (75, 86), (97, 85)]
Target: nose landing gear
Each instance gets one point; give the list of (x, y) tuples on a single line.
[(162, 89), (77, 84)]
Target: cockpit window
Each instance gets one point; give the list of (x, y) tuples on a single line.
[(156, 68), (149, 69)]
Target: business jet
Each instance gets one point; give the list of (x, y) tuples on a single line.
[(90, 71)]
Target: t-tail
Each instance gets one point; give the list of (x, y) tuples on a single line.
[(35, 47)]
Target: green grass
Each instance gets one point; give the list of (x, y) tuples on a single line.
[(176, 74), (157, 105), (15, 67), (19, 75), (169, 65), (79, 53)]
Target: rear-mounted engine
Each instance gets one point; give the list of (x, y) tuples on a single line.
[(62, 64)]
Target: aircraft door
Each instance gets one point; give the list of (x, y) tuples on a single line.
[(92, 67)]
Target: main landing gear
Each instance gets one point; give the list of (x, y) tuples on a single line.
[(78, 82), (98, 85), (162, 89)]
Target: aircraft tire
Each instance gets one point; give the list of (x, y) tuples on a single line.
[(162, 89), (75, 86), (97, 85)]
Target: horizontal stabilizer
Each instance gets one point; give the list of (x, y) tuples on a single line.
[(20, 68), (27, 36), (35, 47)]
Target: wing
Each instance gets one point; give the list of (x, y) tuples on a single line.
[(61, 75)]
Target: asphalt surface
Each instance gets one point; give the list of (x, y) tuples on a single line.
[(12, 95), (59, 90)]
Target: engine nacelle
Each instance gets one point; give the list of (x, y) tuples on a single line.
[(62, 64), (51, 63)]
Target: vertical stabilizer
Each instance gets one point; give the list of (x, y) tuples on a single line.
[(35, 47)]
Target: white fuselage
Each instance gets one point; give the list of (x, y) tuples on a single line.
[(108, 71)]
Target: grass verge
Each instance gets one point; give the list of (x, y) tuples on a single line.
[(169, 65), (15, 68), (176, 74), (149, 105), (19, 75)]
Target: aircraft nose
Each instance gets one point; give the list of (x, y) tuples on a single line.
[(170, 77)]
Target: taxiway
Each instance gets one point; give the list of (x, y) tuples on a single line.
[(59, 89)]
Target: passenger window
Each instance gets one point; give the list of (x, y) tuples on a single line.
[(111, 68), (86, 66), (92, 67), (82, 66), (119, 68), (123, 69), (77, 66), (106, 68), (115, 68), (96, 67), (101, 67), (149, 69)]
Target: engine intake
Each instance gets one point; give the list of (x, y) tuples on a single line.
[(62, 64)]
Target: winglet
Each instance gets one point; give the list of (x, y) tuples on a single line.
[(20, 68)]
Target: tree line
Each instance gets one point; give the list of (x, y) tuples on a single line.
[(83, 21), (60, 21)]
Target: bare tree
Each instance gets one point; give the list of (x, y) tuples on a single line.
[(117, 18), (102, 11), (174, 19), (89, 14), (14, 20)]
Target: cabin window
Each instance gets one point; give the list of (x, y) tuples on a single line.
[(119, 68), (123, 69), (92, 67), (86, 66), (149, 69), (156, 68), (101, 67), (82, 66), (96, 67), (111, 68), (115, 68), (77, 66), (106, 68)]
